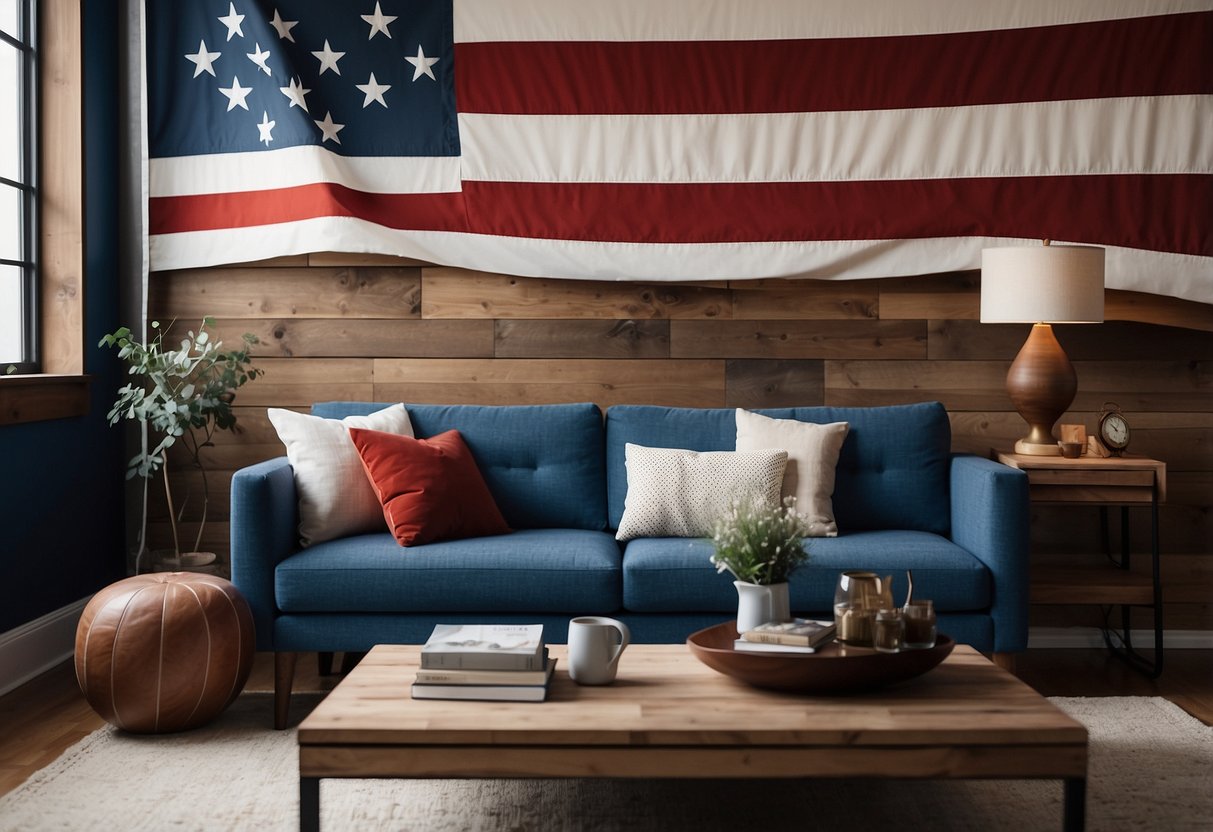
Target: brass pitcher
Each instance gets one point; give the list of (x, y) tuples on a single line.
[(857, 597)]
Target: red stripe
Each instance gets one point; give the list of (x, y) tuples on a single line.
[(1163, 55), (1153, 212), (207, 212)]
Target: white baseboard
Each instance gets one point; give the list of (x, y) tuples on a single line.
[(36, 647), (1066, 637)]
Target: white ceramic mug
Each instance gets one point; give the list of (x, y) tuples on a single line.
[(593, 652)]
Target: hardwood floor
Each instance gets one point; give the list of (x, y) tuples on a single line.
[(47, 715)]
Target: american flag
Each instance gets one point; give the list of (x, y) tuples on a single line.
[(685, 139)]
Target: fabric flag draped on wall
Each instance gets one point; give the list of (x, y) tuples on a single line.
[(684, 139)]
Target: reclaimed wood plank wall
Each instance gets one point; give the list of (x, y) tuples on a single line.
[(337, 326)]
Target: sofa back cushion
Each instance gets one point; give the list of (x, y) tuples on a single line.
[(543, 464), (892, 472)]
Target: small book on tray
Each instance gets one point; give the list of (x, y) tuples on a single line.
[(493, 691), (799, 632), (485, 647)]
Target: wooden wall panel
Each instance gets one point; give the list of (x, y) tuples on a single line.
[(368, 327), (805, 300), (798, 339), (298, 382), (582, 339), (1112, 341), (353, 337), (755, 384), (455, 293), (521, 381), (190, 294)]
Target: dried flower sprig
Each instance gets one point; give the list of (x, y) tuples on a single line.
[(760, 543)]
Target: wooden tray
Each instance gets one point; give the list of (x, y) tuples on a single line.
[(834, 668)]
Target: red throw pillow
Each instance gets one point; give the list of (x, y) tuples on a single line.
[(430, 489)]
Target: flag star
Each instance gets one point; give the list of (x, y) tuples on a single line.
[(329, 129), (374, 91), (329, 58), (265, 127), (421, 64), (283, 27), (232, 21), (203, 59), (379, 22), (295, 92), (259, 58), (236, 94)]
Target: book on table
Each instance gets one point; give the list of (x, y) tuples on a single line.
[(507, 691), (762, 647), (485, 647), (799, 632)]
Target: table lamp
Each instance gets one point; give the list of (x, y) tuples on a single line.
[(1041, 285)]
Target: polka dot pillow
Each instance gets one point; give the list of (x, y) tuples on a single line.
[(679, 493)]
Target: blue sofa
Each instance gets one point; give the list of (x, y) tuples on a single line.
[(901, 499)]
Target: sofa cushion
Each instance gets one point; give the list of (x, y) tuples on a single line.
[(543, 464), (535, 570), (812, 461), (674, 575), (892, 472), (677, 493), (430, 488), (335, 497)]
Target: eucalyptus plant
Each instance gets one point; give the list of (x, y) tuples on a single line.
[(181, 394)]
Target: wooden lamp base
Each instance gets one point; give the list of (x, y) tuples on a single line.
[(1041, 384)]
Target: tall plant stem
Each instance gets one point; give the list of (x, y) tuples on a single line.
[(172, 512), (205, 503)]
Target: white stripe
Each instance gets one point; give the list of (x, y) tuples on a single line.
[(290, 166), (660, 20), (1108, 135), (1180, 275), (1105, 135)]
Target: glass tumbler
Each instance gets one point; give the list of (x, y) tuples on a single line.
[(920, 624), (888, 630)]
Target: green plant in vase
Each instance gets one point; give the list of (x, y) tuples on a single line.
[(182, 395), (760, 544)]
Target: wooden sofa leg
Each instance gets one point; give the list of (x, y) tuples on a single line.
[(349, 660), (1006, 661), (284, 679), (324, 664)]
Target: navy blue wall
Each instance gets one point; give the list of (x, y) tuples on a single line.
[(61, 486)]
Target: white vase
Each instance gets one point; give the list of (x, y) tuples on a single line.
[(758, 604)]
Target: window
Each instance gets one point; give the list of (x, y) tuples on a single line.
[(18, 286)]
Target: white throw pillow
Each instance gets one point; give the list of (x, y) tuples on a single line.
[(678, 493), (812, 459), (335, 497)]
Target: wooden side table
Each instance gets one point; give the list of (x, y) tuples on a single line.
[(1124, 481)]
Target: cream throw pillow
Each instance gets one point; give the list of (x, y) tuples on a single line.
[(335, 497), (812, 458), (677, 493)]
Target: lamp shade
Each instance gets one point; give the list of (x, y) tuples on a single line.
[(1042, 284)]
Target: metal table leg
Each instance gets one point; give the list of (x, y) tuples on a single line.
[(1124, 650), (309, 804), (1074, 809)]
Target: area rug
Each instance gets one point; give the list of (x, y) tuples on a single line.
[(1150, 768)]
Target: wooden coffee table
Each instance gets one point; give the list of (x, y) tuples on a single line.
[(667, 715)]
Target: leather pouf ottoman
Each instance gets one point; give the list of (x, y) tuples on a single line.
[(164, 652)]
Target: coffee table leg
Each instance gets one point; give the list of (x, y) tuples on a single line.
[(309, 804), (1075, 806)]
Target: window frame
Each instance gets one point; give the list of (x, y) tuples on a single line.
[(26, 43), (60, 387)]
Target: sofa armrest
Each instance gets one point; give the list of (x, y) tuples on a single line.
[(990, 519), (264, 523)]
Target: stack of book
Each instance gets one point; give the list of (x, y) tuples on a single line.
[(499, 662), (800, 635)]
